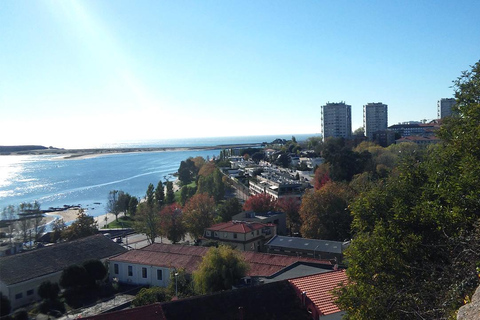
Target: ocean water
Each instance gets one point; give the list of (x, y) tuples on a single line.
[(54, 182)]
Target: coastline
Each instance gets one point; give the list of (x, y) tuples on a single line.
[(72, 154), (70, 215)]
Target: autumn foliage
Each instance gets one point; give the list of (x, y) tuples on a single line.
[(322, 176), (325, 213), (198, 214), (171, 223), (260, 203)]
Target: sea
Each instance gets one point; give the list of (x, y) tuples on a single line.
[(56, 182)]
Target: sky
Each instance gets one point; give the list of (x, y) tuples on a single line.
[(79, 73)]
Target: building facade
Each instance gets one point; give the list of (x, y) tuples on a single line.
[(375, 118), (336, 120), (444, 107), (244, 236)]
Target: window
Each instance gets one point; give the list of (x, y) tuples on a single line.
[(258, 232), (30, 292), (159, 274), (144, 272), (19, 296), (130, 271), (235, 235), (115, 268)]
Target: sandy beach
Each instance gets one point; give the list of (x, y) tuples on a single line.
[(71, 215)]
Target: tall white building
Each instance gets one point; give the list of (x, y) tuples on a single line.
[(336, 120), (444, 107), (375, 118)]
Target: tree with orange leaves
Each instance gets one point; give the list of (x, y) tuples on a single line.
[(260, 203)]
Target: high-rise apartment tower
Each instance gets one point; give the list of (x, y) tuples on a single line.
[(336, 120), (444, 107), (375, 118)]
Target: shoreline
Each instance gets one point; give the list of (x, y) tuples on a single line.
[(72, 154), (70, 215)]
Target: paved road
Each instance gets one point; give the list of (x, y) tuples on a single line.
[(138, 241)]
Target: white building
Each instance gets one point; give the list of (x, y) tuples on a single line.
[(444, 107), (336, 120), (375, 118)]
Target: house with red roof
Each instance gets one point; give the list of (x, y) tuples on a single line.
[(242, 235), (153, 264), (315, 291)]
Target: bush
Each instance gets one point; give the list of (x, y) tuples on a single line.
[(48, 290), (5, 306), (149, 296)]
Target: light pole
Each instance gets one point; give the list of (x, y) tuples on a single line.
[(176, 287)]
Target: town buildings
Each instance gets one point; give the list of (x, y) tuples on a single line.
[(279, 219), (313, 248), (375, 118), (153, 264), (444, 107), (336, 120), (21, 274), (242, 235)]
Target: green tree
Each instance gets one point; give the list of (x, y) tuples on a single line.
[(151, 295), (159, 194), (417, 237), (187, 171), (123, 202), (96, 269), (58, 227), (5, 305), (228, 209), (147, 222), (83, 226), (186, 193), (48, 290), (181, 284), (220, 268), (198, 214), (132, 206), (112, 203), (212, 184), (170, 194), (75, 276)]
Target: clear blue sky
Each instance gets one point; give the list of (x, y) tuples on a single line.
[(75, 73)]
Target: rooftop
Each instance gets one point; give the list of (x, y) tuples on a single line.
[(307, 244), (189, 258), (318, 289), (43, 261), (237, 226)]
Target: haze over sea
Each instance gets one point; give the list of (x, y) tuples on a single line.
[(54, 181)]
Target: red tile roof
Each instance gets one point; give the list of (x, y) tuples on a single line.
[(318, 289), (165, 255), (189, 257), (237, 226)]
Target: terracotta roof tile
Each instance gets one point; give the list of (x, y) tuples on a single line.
[(318, 289), (189, 257), (237, 226)]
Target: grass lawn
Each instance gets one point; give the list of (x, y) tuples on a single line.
[(123, 222)]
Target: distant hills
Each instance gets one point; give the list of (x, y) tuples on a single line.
[(6, 149)]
